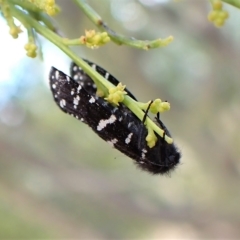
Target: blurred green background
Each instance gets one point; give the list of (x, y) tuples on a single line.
[(60, 180)]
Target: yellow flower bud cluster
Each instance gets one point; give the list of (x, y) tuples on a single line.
[(6, 11), (94, 39), (116, 94), (47, 6), (158, 106), (218, 16), (14, 31), (31, 49), (151, 138)]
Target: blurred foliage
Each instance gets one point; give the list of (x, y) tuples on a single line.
[(59, 180)]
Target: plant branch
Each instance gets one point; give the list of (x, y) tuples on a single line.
[(117, 38), (235, 3), (59, 42)]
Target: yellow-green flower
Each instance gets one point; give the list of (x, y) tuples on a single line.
[(116, 94), (94, 39), (151, 138), (218, 16), (31, 49)]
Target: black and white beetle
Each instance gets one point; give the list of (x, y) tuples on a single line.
[(117, 125)]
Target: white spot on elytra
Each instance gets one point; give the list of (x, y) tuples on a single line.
[(92, 100), (105, 104), (75, 77), (112, 142), (57, 74), (112, 119), (130, 124), (72, 92), (76, 100), (54, 86), (62, 103), (79, 88), (75, 68), (107, 75), (68, 79), (128, 139), (94, 67), (143, 153), (104, 122)]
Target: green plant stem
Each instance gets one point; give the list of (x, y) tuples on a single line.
[(25, 5), (235, 3), (92, 15)]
